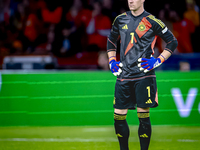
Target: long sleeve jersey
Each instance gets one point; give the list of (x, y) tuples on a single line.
[(138, 36)]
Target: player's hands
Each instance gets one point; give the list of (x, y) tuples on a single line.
[(115, 67), (149, 64)]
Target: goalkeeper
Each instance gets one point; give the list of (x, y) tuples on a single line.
[(136, 80)]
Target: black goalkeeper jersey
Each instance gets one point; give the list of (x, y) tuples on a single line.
[(137, 39)]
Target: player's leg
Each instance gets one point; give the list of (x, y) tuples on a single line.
[(121, 127), (122, 102), (144, 130), (146, 97)]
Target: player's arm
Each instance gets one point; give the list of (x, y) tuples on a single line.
[(161, 30), (112, 48), (171, 41)]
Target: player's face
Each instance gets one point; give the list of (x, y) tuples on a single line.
[(134, 5)]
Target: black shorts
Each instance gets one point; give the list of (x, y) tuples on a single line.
[(139, 92)]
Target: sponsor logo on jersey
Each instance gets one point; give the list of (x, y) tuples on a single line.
[(125, 27)]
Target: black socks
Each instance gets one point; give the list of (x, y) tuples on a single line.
[(144, 131), (121, 130)]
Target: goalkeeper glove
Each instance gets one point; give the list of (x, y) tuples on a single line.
[(115, 67), (149, 64)]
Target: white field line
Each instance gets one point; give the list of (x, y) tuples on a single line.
[(59, 140), (96, 130), (187, 140), (85, 140)]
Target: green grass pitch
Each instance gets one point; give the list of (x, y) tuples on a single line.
[(95, 138)]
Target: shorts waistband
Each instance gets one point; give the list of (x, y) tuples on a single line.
[(139, 78)]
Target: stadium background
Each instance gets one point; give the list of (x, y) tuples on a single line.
[(43, 88)]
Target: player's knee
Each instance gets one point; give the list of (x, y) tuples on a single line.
[(143, 109), (121, 111)]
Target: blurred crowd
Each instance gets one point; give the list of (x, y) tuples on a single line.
[(183, 21), (66, 28)]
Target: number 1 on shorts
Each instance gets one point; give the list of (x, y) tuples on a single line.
[(148, 88)]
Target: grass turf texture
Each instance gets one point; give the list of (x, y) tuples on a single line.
[(95, 138)]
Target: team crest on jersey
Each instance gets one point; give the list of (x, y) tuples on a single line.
[(142, 27)]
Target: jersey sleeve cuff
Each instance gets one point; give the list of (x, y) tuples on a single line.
[(168, 50)]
